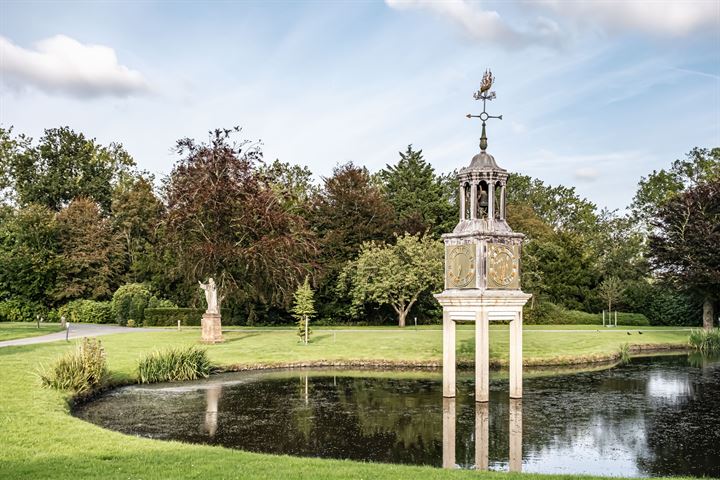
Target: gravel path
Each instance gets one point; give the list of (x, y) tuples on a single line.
[(77, 330)]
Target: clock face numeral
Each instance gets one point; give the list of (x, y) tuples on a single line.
[(461, 266), (503, 266)]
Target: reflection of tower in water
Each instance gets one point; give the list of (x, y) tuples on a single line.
[(212, 397), (482, 434)]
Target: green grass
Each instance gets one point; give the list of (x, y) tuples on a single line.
[(40, 439), (13, 330)]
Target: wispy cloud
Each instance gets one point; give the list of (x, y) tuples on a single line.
[(486, 25), (673, 18), (61, 64)]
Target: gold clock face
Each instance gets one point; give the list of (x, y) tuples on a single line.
[(503, 266), (461, 266)]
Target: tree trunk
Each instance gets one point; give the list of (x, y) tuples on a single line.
[(401, 317), (708, 314)]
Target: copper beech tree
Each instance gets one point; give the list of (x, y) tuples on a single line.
[(686, 246), (224, 221)]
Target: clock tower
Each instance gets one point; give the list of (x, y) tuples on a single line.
[(482, 266)]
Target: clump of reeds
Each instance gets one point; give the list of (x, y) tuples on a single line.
[(80, 371), (174, 365), (705, 341)]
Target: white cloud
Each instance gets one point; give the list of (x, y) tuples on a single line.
[(484, 25), (659, 17), (586, 174), (61, 64)]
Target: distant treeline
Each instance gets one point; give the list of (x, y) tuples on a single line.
[(78, 220)]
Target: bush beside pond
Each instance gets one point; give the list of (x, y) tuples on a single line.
[(174, 365), (79, 371)]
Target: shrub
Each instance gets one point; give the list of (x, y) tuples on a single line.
[(86, 311), (131, 323), (174, 364), (546, 313), (130, 301), (705, 341), (168, 317), (18, 310), (80, 371), (155, 302)]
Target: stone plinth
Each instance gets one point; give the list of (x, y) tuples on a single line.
[(211, 328), (481, 307)]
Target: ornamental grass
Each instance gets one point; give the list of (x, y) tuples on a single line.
[(79, 371), (174, 365)]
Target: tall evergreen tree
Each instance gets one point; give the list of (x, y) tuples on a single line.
[(422, 200)]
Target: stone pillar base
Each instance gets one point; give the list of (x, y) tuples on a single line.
[(211, 328)]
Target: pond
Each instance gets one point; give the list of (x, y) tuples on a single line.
[(654, 416)]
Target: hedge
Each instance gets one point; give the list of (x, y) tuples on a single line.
[(86, 311), (545, 313), (168, 317)]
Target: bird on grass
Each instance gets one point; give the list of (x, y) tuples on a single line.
[(639, 332), (628, 333)]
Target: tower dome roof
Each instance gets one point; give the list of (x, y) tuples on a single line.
[(482, 161)]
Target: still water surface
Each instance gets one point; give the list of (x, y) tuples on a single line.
[(654, 416)]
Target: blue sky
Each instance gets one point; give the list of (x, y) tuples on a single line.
[(594, 94)]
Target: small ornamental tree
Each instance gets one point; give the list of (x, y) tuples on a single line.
[(611, 291), (304, 309), (395, 274)]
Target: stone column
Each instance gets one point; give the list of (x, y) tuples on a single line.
[(448, 355), (491, 200), (516, 357), (482, 435), (515, 459), (462, 201), (482, 356), (448, 445), (473, 200), (502, 202)]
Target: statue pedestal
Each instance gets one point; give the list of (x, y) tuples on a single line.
[(211, 328), (482, 307)]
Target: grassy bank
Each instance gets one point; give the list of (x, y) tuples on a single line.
[(13, 330), (40, 439)]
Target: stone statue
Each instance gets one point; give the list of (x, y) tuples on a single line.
[(211, 297)]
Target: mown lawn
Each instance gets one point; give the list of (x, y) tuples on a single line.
[(40, 439), (13, 330)]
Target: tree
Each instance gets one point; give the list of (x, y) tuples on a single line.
[(91, 253), (611, 290), (348, 211), (136, 215), (685, 246), (292, 184), (658, 188), (29, 258), (422, 200), (395, 274), (304, 308), (224, 222), (63, 166)]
